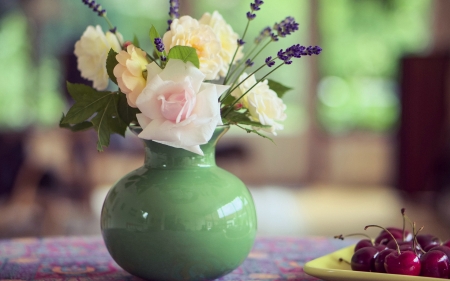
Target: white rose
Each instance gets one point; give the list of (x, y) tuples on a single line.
[(263, 104), (128, 71), (187, 31), (178, 109), (228, 39), (91, 51)]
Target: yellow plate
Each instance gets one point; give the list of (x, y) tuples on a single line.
[(329, 268)]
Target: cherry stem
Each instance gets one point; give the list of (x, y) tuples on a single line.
[(373, 225), (415, 242), (404, 223), (342, 260), (340, 236), (413, 224)]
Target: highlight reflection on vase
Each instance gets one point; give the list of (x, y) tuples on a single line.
[(172, 221)]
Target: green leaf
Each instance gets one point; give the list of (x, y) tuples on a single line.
[(241, 117), (185, 54), (108, 122), (126, 112), (136, 41), (101, 106), (153, 35), (83, 126), (279, 88), (87, 102), (228, 100), (111, 62)]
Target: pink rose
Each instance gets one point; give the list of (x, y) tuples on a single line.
[(178, 109)]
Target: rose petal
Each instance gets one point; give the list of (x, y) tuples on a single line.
[(152, 70), (147, 101), (159, 130), (143, 120), (134, 68)]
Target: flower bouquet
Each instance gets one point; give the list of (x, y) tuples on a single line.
[(196, 78), (179, 216)]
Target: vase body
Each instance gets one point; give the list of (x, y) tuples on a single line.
[(179, 216)]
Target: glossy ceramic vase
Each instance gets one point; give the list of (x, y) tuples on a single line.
[(179, 217)]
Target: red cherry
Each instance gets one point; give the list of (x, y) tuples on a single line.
[(362, 244), (435, 264), (384, 237), (392, 245), (379, 260), (425, 240), (444, 249), (405, 263), (364, 259), (380, 247)]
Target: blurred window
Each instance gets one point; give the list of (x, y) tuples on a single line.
[(363, 42)]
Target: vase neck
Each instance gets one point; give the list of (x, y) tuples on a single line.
[(163, 156)]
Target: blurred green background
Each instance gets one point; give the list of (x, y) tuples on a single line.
[(363, 41)]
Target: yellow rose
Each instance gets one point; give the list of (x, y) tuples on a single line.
[(128, 71), (187, 31), (92, 50), (263, 104), (227, 37)]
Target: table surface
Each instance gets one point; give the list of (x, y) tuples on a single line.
[(85, 258)]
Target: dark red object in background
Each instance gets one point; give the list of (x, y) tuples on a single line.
[(424, 142)]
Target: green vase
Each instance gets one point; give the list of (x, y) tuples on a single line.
[(179, 216)]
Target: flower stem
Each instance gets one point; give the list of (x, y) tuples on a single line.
[(242, 71), (235, 53), (261, 49), (242, 61), (231, 89), (111, 26), (248, 76), (257, 82), (154, 60)]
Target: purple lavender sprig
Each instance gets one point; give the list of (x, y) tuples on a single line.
[(251, 16), (159, 45), (95, 7), (264, 33), (269, 61), (254, 7), (286, 26), (174, 11), (102, 13), (297, 51), (249, 63)]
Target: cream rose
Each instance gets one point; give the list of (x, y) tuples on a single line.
[(187, 31), (92, 50), (128, 71), (263, 104), (178, 109), (227, 37)]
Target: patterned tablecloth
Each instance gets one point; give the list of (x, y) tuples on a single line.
[(86, 258)]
